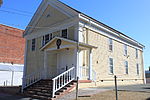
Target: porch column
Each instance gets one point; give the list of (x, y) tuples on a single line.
[(77, 66), (45, 65), (90, 64)]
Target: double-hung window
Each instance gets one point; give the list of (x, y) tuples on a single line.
[(125, 50), (33, 45), (136, 53), (111, 66), (126, 67), (47, 38), (137, 69), (110, 45), (64, 33)]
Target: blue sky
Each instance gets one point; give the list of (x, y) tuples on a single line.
[(132, 17)]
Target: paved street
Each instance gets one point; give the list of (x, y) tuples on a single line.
[(83, 92), (91, 91), (4, 96), (135, 88)]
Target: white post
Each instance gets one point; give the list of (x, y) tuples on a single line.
[(45, 65), (53, 93), (90, 64), (12, 78)]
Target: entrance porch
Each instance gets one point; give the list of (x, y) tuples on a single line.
[(63, 63), (60, 58)]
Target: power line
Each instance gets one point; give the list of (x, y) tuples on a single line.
[(11, 12), (28, 26), (22, 11)]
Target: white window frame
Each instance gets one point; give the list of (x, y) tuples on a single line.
[(110, 43), (111, 67), (67, 32), (126, 64), (43, 39), (33, 45), (125, 50)]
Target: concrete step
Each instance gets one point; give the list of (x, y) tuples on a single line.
[(46, 86), (43, 90), (41, 97), (44, 94)]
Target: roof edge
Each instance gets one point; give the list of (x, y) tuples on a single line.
[(110, 28)]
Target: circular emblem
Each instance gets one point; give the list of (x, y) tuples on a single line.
[(58, 43)]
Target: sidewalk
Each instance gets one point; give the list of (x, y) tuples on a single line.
[(86, 92)]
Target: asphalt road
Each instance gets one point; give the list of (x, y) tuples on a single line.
[(83, 92), (91, 91), (4, 96)]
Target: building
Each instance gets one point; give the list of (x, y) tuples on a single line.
[(147, 76), (11, 55), (64, 44), (11, 45)]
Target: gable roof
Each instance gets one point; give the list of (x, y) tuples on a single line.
[(82, 14), (102, 24), (39, 12)]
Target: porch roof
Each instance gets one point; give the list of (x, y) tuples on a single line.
[(71, 42)]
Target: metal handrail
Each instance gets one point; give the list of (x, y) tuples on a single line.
[(63, 79)]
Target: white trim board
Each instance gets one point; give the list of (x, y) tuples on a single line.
[(107, 35), (57, 27), (107, 30)]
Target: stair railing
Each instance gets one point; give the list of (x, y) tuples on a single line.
[(63, 79), (32, 78)]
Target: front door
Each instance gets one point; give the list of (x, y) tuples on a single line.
[(64, 61)]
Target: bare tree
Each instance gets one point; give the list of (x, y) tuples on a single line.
[(1, 1)]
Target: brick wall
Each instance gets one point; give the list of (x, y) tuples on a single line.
[(11, 45)]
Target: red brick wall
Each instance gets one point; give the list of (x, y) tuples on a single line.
[(12, 45)]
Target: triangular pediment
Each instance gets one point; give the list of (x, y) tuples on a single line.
[(53, 43), (49, 13), (65, 43), (50, 17)]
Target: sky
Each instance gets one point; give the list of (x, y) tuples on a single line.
[(131, 17)]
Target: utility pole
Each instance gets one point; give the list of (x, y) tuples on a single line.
[(116, 90), (77, 88)]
